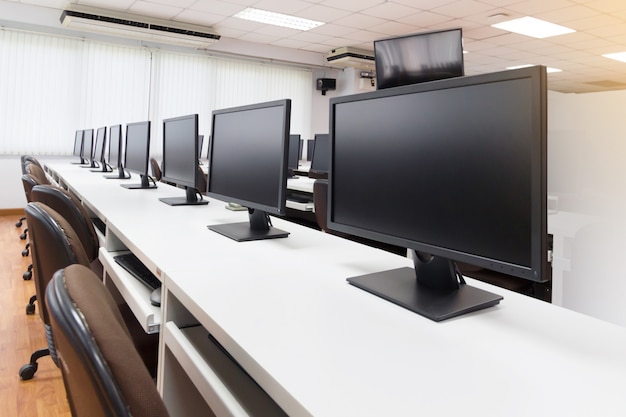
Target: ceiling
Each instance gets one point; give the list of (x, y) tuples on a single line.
[(600, 28)]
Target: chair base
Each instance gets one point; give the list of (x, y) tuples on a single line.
[(28, 371)]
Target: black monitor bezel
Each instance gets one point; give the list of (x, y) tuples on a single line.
[(165, 175), (292, 139), (78, 143), (87, 139), (384, 82), (99, 146), (280, 207), (118, 147), (538, 269), (143, 171), (317, 157)]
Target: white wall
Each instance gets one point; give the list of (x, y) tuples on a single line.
[(587, 173)]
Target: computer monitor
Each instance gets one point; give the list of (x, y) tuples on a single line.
[(248, 165), (321, 156), (87, 151), (200, 144), (78, 146), (116, 152), (180, 159), (310, 145), (137, 152), (98, 150), (418, 58), (454, 170), (294, 154)]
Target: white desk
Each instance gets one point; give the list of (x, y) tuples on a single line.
[(320, 347)]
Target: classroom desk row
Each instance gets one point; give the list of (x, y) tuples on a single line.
[(271, 327)]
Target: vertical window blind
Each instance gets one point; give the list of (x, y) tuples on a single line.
[(50, 86)]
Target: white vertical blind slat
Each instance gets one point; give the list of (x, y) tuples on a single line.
[(50, 86)]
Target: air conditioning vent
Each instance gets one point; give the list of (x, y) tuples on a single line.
[(154, 30), (351, 57)]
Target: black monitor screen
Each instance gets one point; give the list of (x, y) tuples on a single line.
[(116, 152), (180, 150), (321, 152), (294, 152), (87, 144), (180, 157), (419, 57), (98, 153), (200, 144), (248, 155), (78, 143), (455, 169), (310, 145), (137, 147), (137, 152), (115, 146)]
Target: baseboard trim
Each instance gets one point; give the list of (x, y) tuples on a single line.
[(12, 212)]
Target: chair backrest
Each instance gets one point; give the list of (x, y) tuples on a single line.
[(54, 245), (156, 169), (28, 181), (37, 172), (103, 373), (202, 182), (72, 210), (320, 203)]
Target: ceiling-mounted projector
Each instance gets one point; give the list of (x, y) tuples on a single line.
[(128, 26)]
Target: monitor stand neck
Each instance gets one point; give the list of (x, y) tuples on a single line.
[(259, 220), (435, 273)]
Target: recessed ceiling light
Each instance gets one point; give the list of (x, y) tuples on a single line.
[(530, 26), (548, 69), (618, 56), (277, 19)]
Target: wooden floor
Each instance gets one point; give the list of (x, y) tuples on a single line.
[(20, 335)]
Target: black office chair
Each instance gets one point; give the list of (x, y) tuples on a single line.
[(155, 169), (202, 183), (28, 182), (54, 246), (103, 372), (72, 210)]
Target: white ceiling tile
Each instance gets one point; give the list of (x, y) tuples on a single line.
[(394, 28), (352, 5), (390, 11), (607, 6), (322, 13), (223, 8), (332, 29), (157, 10), (424, 19), (462, 8), (359, 21), (199, 18), (178, 3), (282, 6)]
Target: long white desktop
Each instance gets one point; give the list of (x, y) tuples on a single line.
[(307, 342)]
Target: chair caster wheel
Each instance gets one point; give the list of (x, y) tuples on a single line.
[(18, 224), (27, 275), (25, 252), (23, 236), (28, 371), (30, 309)]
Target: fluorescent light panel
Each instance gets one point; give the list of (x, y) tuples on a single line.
[(548, 69), (277, 19), (618, 56), (530, 26)]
